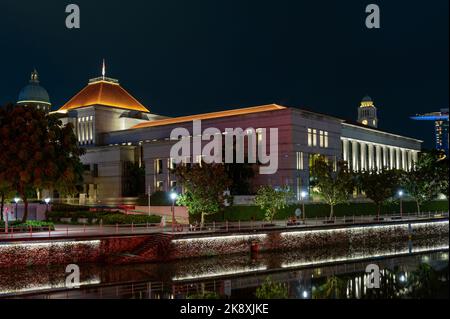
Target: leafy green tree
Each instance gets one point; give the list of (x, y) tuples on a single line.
[(272, 200), (272, 290), (427, 179), (37, 152), (334, 288), (204, 187), (379, 186), (335, 184)]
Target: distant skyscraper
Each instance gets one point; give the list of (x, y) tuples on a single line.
[(441, 127), (34, 95), (367, 112)]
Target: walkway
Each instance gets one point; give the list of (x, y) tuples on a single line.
[(80, 231)]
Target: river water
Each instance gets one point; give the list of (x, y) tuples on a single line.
[(407, 270)]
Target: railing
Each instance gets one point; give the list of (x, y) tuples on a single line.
[(67, 231)]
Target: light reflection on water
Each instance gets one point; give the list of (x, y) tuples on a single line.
[(318, 273)]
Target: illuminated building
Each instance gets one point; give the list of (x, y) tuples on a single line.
[(118, 131), (34, 95), (440, 120), (367, 112)]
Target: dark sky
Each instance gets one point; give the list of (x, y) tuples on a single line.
[(183, 57)]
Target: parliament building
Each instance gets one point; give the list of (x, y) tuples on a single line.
[(118, 132)]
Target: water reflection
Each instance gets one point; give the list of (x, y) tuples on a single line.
[(319, 273)]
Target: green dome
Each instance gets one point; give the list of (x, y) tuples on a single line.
[(33, 92)]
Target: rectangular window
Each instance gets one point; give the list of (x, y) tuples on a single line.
[(95, 170), (314, 137), (310, 143), (321, 139), (158, 166), (160, 185), (170, 164), (326, 140), (300, 165)]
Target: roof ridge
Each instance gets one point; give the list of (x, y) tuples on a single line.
[(212, 115), (106, 94)]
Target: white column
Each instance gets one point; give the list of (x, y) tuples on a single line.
[(409, 160), (385, 156), (405, 161), (379, 161), (398, 158), (363, 154), (415, 158), (371, 157), (355, 155), (392, 158), (345, 151)]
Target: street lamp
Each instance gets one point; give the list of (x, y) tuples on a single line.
[(173, 196), (16, 200), (303, 196), (400, 195), (47, 201)]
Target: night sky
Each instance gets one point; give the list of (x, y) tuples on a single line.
[(182, 57)]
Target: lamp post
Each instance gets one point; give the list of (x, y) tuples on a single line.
[(47, 201), (16, 200), (173, 196), (303, 196), (149, 199), (400, 195)]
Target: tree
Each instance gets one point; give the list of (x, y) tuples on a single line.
[(205, 188), (427, 179), (335, 288), (240, 175), (335, 184), (379, 186), (37, 152), (272, 290), (271, 200), (5, 194)]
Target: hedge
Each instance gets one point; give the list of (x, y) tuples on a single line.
[(68, 208), (122, 219), (108, 218), (245, 213), (30, 223)]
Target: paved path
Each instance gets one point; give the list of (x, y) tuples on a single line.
[(80, 231)]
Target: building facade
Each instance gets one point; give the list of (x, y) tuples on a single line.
[(440, 120), (120, 133)]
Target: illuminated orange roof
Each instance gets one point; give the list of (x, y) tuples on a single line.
[(105, 92), (214, 115)]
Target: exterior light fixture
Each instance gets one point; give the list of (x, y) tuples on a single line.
[(173, 196)]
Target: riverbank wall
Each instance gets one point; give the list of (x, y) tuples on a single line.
[(164, 246)]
